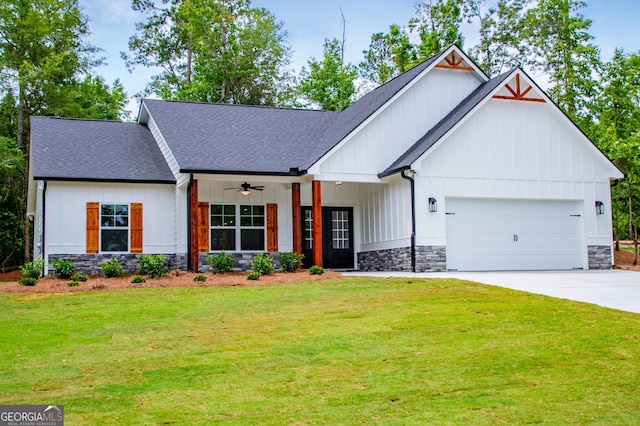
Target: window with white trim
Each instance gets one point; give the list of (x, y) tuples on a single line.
[(114, 227), (237, 227)]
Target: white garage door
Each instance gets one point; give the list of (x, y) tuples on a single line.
[(494, 235)]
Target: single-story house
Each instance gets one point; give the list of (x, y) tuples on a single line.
[(441, 168)]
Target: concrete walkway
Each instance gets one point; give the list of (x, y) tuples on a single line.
[(615, 289)]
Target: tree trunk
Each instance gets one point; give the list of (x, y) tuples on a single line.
[(635, 246), (25, 182)]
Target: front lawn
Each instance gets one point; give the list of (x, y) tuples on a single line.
[(342, 351)]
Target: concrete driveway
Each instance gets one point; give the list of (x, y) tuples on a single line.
[(615, 289)]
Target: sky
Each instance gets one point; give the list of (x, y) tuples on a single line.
[(308, 23)]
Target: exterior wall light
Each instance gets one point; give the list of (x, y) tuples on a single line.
[(433, 205), (599, 207), (338, 182)]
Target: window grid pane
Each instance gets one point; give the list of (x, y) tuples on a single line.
[(308, 230), (340, 229), (237, 227), (114, 223)]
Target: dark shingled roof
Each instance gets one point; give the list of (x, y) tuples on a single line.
[(95, 150), (206, 137), (446, 124)]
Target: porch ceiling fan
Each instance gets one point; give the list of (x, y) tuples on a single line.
[(245, 188)]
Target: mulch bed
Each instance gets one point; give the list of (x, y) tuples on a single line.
[(51, 284)]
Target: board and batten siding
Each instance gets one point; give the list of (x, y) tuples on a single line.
[(401, 124), (386, 214), (513, 150), (65, 222)]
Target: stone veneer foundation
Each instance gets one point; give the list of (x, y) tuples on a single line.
[(243, 260), (599, 257), (90, 263), (428, 259)]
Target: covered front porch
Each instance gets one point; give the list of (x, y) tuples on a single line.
[(247, 215)]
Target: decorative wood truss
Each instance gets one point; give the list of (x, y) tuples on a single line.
[(454, 62), (518, 94)]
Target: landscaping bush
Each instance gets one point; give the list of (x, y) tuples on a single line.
[(154, 265), (263, 264), (138, 279), (221, 263), (316, 270), (78, 277), (112, 269), (32, 269), (73, 284), (200, 278), (253, 276), (28, 281), (291, 261), (62, 268)]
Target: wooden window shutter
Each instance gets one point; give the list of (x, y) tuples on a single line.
[(203, 227), (93, 227), (272, 228), (135, 224)]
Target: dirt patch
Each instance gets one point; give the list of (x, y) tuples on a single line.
[(52, 284), (624, 260)]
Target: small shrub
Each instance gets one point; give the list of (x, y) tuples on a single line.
[(154, 265), (253, 276), (137, 279), (62, 268), (200, 278), (221, 263), (291, 261), (112, 269), (28, 281), (263, 264), (32, 269), (73, 284), (316, 270), (78, 277)]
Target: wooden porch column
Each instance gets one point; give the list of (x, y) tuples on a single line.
[(316, 214), (193, 226), (296, 215)]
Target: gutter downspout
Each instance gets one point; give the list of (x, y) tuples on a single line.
[(44, 228), (413, 218), (189, 222)]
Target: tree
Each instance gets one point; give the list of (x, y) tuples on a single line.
[(388, 56), (212, 51), (501, 46), (329, 83), (562, 43), (438, 25), (43, 60), (618, 135)]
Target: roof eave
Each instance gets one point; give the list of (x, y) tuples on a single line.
[(393, 171), (292, 172), (106, 180)]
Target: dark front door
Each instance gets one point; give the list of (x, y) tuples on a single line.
[(337, 236)]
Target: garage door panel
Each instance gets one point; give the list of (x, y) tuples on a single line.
[(513, 235)]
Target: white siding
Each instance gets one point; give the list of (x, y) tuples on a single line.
[(513, 150), (397, 127), (65, 210), (386, 215)]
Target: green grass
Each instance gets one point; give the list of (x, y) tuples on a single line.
[(349, 351)]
